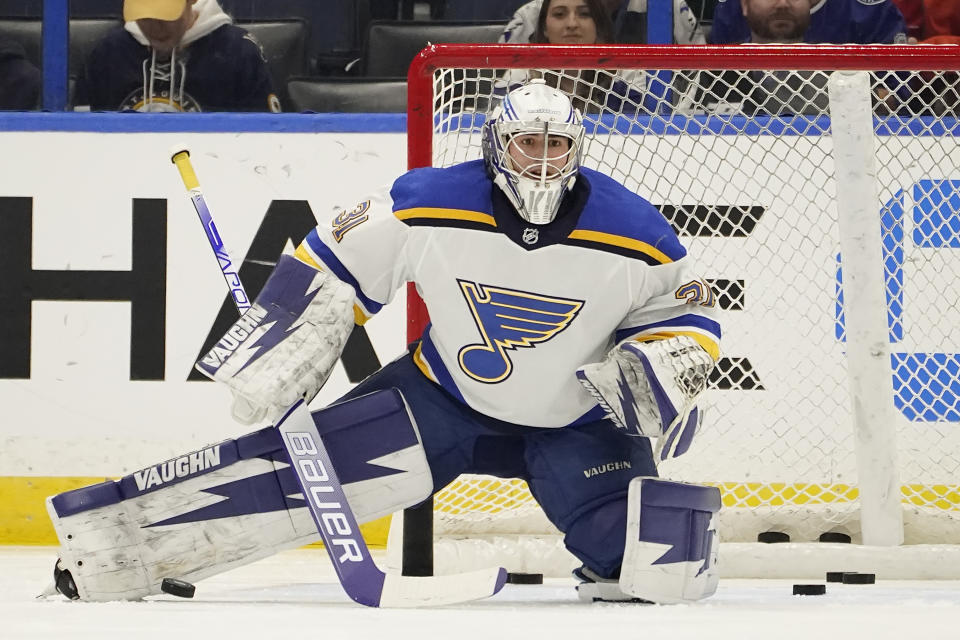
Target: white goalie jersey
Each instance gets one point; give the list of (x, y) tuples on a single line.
[(515, 308)]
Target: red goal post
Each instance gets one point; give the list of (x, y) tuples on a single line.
[(806, 430)]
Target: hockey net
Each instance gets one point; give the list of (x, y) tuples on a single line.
[(735, 147)]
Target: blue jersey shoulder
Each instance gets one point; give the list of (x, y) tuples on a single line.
[(615, 211), (462, 186)]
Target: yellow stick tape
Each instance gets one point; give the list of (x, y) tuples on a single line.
[(24, 520), (182, 160)]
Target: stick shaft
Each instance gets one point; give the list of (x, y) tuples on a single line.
[(328, 505), (230, 273)]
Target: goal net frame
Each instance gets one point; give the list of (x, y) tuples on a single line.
[(867, 349)]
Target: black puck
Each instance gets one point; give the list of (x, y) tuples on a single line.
[(524, 578), (809, 589), (836, 576), (859, 578), (179, 588), (772, 536), (834, 536)]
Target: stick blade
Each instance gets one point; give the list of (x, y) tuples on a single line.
[(434, 591)]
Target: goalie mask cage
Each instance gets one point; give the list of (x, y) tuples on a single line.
[(818, 187)]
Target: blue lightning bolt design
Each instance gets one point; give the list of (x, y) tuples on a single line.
[(263, 493), (273, 490), (284, 302), (627, 403)]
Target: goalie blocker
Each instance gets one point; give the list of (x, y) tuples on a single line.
[(231, 503), (283, 348)]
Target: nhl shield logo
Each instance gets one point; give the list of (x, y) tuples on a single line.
[(531, 236)]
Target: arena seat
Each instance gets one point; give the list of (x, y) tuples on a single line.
[(391, 45), (348, 95), (84, 9), (26, 32), (487, 10), (85, 33), (284, 45), (331, 24)]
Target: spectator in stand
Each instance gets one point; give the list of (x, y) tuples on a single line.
[(771, 92), (177, 55), (785, 92), (912, 12), (932, 21), (572, 22), (941, 19), (576, 22), (831, 21), (19, 79), (629, 19), (776, 21)]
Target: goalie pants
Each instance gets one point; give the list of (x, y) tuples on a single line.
[(579, 475)]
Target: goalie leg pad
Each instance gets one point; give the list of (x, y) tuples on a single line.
[(232, 503), (671, 547)]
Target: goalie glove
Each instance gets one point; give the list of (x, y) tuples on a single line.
[(285, 346), (651, 388)]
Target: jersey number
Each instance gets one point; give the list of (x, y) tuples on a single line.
[(350, 220), (696, 292)]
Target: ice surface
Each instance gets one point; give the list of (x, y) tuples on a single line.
[(295, 593)]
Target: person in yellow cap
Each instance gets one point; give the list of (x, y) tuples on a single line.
[(134, 10), (174, 56), (162, 22)]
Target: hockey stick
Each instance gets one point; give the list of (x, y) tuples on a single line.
[(359, 575), (181, 158)]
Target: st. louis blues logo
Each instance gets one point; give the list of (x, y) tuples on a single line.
[(508, 319)]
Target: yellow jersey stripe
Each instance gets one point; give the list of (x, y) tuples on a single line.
[(303, 255), (421, 363), (360, 316), (710, 346), (445, 214), (620, 241)]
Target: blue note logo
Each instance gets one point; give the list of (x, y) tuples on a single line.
[(508, 319)]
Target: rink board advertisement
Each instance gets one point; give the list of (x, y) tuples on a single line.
[(117, 290), (111, 292)]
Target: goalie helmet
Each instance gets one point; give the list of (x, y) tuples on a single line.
[(523, 146)]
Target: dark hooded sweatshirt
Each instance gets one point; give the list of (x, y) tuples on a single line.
[(222, 71), (19, 79)]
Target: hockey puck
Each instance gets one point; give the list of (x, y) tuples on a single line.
[(835, 576), (179, 588), (809, 589), (834, 536), (524, 578), (859, 578), (772, 536)]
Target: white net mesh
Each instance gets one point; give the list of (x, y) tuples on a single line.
[(741, 164)]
